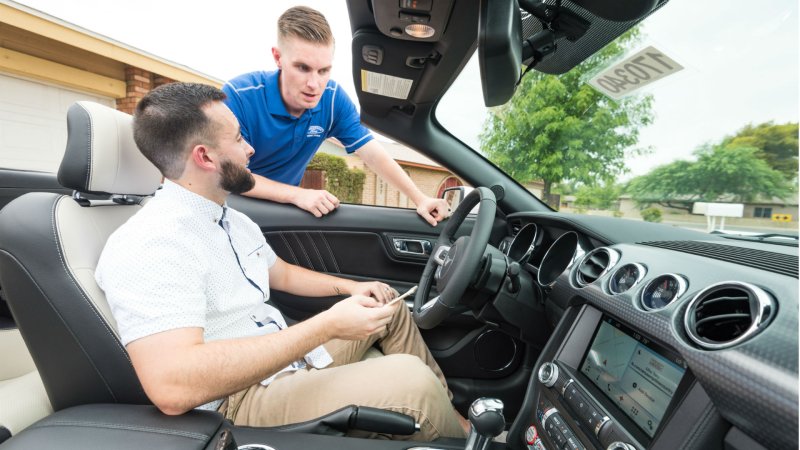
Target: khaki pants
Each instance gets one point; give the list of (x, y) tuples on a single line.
[(406, 380)]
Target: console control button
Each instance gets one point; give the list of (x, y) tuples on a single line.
[(531, 435), (573, 444), (551, 429), (571, 394), (548, 374), (561, 426)]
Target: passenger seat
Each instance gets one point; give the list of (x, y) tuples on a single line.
[(23, 399)]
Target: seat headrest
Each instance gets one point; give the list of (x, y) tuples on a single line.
[(101, 156)]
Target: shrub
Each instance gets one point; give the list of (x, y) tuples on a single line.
[(345, 183), (651, 215), (618, 213)]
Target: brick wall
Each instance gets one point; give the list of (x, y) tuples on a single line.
[(138, 83)]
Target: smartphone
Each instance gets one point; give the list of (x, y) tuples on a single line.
[(398, 298)]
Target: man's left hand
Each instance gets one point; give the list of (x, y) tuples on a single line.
[(381, 292), (433, 210)]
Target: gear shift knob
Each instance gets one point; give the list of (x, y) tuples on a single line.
[(486, 417)]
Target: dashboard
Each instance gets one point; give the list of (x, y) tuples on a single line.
[(660, 344)]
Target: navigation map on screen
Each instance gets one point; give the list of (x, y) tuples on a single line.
[(635, 377)]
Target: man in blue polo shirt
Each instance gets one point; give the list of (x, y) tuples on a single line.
[(287, 114)]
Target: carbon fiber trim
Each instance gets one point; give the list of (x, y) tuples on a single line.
[(753, 384)]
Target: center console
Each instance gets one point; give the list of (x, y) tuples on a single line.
[(604, 385)]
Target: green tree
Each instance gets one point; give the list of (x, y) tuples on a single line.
[(559, 128), (566, 187), (720, 172), (598, 196), (776, 144)]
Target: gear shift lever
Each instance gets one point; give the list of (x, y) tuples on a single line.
[(486, 417)]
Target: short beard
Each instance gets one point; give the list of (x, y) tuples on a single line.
[(236, 179)]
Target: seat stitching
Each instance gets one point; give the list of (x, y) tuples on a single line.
[(71, 423), (88, 184), (88, 302)]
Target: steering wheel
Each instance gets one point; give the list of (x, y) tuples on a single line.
[(453, 262)]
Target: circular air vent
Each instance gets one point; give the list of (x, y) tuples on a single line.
[(595, 264), (725, 314)]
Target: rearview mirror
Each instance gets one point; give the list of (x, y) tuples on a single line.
[(499, 50)]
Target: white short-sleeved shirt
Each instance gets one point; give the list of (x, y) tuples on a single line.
[(173, 265)]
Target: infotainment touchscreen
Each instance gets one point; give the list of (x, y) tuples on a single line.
[(639, 376)]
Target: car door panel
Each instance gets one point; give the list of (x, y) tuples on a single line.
[(357, 242), (14, 183), (344, 253)]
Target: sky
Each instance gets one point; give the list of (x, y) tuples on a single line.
[(741, 60)]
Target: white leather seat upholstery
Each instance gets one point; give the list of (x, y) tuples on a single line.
[(22, 394)]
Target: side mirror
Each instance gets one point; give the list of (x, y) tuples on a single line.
[(455, 195)]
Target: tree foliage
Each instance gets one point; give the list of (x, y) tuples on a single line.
[(598, 196), (345, 183), (559, 128), (776, 144), (719, 173)]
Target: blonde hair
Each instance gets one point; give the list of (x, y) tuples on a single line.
[(305, 23)]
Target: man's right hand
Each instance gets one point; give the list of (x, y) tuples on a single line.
[(317, 202), (358, 317)]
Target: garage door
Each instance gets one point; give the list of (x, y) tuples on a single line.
[(33, 126)]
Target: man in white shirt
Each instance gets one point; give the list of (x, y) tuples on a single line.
[(187, 279)]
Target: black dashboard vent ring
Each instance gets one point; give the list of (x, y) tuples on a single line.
[(595, 264), (728, 313)]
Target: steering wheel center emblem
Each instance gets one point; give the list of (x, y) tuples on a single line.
[(448, 259)]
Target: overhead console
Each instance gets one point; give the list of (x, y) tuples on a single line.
[(608, 386), (413, 20)]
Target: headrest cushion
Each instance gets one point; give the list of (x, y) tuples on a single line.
[(101, 156)]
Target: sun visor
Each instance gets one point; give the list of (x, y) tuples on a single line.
[(386, 71)]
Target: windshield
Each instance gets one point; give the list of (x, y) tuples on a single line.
[(710, 143)]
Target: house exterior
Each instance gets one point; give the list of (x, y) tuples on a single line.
[(429, 177), (47, 64), (759, 210)]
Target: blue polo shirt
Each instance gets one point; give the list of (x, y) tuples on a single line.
[(284, 145)]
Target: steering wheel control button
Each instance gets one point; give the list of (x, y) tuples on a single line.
[(548, 374)]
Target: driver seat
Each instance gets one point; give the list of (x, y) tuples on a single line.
[(49, 248)]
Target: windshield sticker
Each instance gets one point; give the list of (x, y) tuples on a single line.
[(386, 85), (635, 72)]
